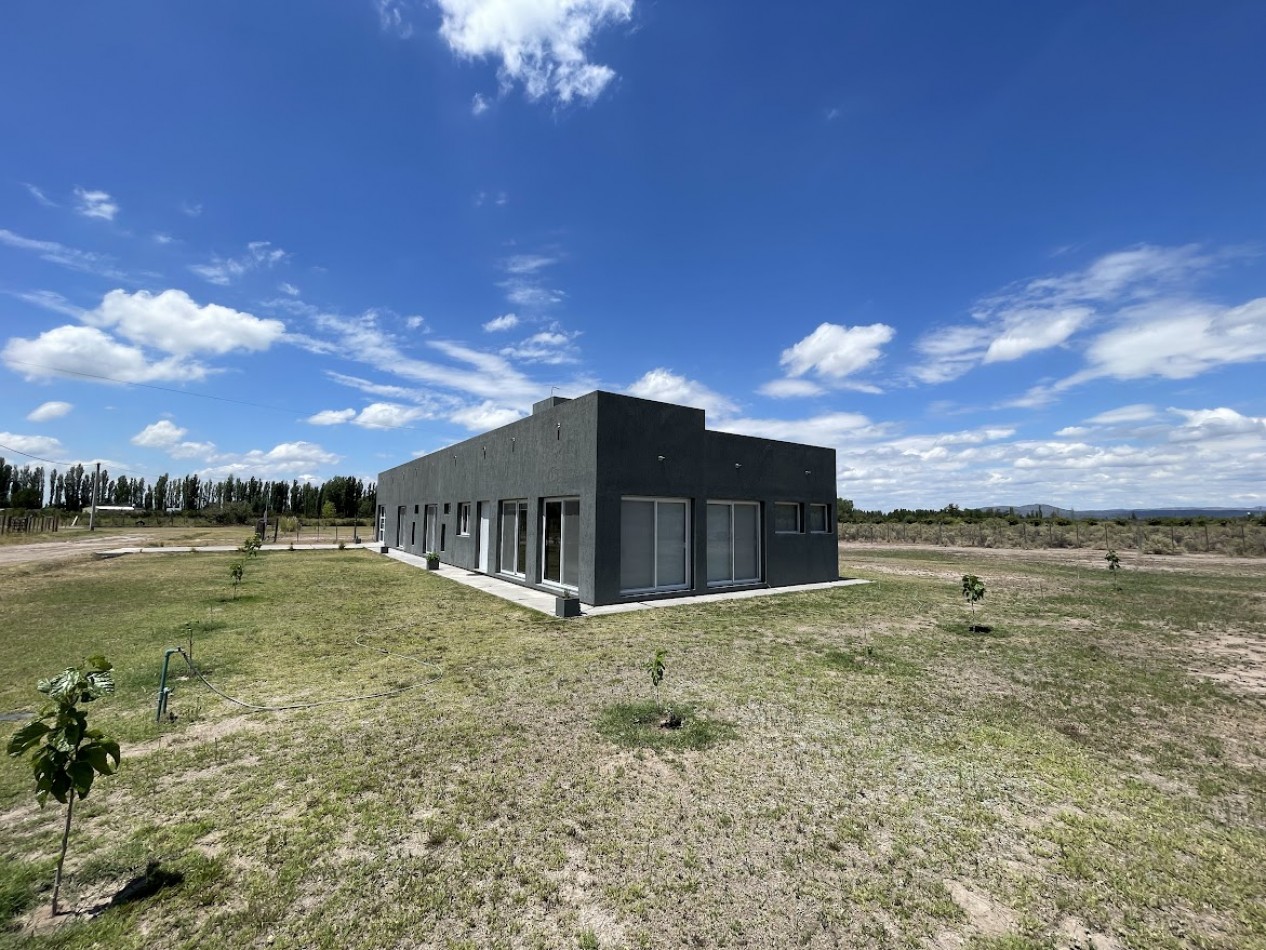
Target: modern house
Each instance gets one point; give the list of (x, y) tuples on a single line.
[(612, 498)]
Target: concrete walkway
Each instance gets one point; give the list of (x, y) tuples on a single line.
[(515, 593), (544, 602)]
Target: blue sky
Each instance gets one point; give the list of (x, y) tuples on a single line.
[(991, 252)]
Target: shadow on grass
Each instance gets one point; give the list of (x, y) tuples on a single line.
[(638, 726)]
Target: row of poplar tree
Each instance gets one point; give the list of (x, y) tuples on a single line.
[(31, 487)]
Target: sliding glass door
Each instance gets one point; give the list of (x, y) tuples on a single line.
[(513, 550), (654, 544), (733, 542), (560, 542)]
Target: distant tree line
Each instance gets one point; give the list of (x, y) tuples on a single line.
[(847, 513), (227, 499)]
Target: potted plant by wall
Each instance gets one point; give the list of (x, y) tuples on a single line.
[(567, 605), (432, 561)]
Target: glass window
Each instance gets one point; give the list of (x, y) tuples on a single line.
[(733, 542), (654, 544), (820, 519), (560, 541), (787, 517), (463, 518), (513, 549)]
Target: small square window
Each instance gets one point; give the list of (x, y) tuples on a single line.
[(820, 519), (787, 517), (446, 507)]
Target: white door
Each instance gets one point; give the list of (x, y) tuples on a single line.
[(485, 532)]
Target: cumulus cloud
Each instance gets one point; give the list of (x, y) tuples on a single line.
[(96, 204), (507, 321), (663, 385), (171, 321), (539, 44), (486, 415), (286, 460), (87, 351), (224, 270), (160, 434), (49, 410), (833, 352), (42, 446), (332, 417)]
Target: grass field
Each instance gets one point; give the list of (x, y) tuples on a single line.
[(855, 770)]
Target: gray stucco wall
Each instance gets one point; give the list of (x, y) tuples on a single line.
[(600, 448)]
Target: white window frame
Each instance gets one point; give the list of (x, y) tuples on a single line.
[(687, 543), (826, 518), (463, 519), (799, 509), (733, 581)]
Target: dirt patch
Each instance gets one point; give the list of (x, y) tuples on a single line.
[(1237, 662), (985, 915)]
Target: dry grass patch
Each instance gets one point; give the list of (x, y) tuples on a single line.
[(875, 778)]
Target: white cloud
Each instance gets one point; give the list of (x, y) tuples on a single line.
[(1049, 312), (528, 263), (173, 322), (387, 415), (507, 321), (539, 44), (414, 322), (479, 104), (88, 351), (48, 411), (39, 445), (1220, 423), (391, 17), (53, 301), (790, 389), (489, 376), (158, 435), (192, 209), (1178, 340), (224, 270), (38, 194), (1028, 331), (96, 204), (286, 460), (85, 261), (332, 417), (1138, 412), (833, 352), (664, 385), (288, 288), (829, 429), (550, 346), (487, 415)]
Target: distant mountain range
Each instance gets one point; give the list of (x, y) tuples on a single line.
[(1051, 511)]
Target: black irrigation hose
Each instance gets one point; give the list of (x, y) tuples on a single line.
[(323, 702)]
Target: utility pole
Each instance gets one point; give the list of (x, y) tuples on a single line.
[(92, 515)]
